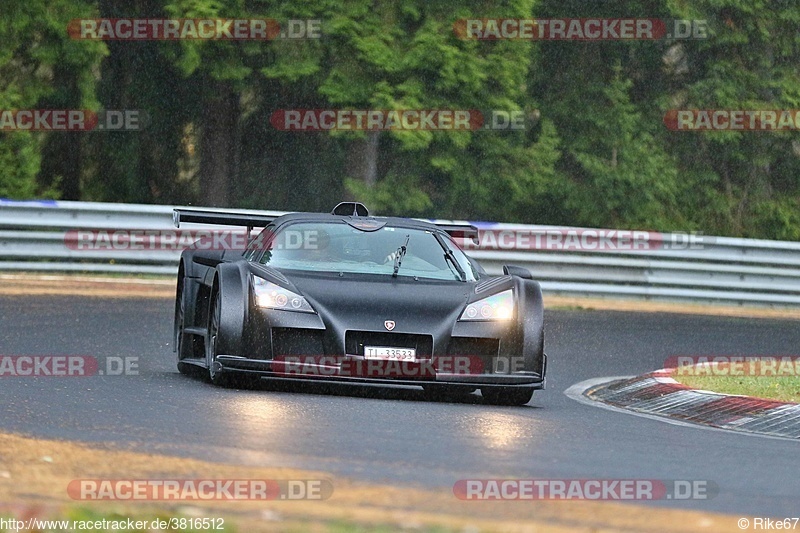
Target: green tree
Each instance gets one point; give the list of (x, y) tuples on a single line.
[(605, 99), (405, 55), (40, 67), (625, 177), (750, 181)]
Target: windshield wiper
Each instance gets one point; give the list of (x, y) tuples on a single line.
[(400, 253), (451, 258), (448, 254)]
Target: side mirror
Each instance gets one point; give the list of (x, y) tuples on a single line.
[(210, 258), (520, 272)]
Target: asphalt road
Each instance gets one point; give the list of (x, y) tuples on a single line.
[(391, 435)]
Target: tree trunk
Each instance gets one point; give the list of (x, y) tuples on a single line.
[(62, 151), (362, 158), (218, 146), (71, 176)]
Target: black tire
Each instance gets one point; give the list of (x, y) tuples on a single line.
[(180, 320), (507, 395), (215, 375)]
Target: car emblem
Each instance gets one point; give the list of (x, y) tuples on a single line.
[(388, 324)]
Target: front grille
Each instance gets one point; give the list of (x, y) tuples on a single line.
[(476, 346), (297, 341), (354, 342), (478, 353)]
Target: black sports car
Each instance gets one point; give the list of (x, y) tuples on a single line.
[(349, 297)]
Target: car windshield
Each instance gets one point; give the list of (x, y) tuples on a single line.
[(340, 247)]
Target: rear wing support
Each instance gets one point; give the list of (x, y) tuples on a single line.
[(460, 231)]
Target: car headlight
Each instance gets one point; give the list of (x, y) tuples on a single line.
[(498, 306), (271, 296)]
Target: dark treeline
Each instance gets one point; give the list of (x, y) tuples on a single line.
[(596, 152)]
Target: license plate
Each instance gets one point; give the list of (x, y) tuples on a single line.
[(387, 352)]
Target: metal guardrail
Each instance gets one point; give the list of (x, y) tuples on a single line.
[(35, 236)]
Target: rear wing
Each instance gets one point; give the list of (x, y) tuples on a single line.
[(251, 220), (460, 231), (223, 218)]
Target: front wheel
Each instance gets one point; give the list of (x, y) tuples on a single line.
[(215, 373), (507, 395), (180, 336)]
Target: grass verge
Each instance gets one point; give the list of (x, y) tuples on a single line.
[(744, 379)]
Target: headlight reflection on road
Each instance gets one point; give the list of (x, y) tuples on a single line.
[(255, 426), (501, 430), (254, 418)]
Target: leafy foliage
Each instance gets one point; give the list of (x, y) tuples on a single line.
[(595, 153)]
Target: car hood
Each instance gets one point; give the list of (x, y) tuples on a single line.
[(367, 302)]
